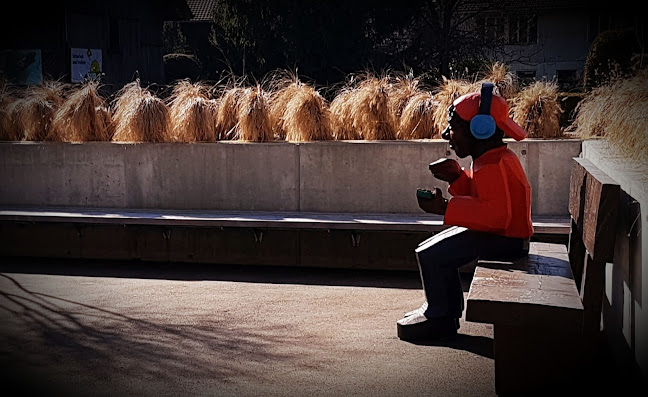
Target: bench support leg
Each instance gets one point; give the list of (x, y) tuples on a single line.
[(591, 291), (533, 359)]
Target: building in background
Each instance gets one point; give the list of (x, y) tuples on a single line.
[(115, 41), (550, 39)]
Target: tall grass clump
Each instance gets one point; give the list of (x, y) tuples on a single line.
[(403, 88), (227, 111), (139, 115), (297, 111), (342, 126), (283, 86), (361, 110), (35, 110), (8, 102), (83, 116), (445, 94), (417, 118), (504, 80), (191, 112), (253, 116), (616, 111), (307, 117), (536, 108)]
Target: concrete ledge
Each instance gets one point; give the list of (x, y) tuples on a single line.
[(330, 177)]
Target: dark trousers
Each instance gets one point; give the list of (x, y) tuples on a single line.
[(440, 257)]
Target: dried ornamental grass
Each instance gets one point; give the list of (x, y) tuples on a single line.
[(192, 116), (360, 110), (81, 117), (227, 112), (212, 105), (401, 90), (617, 112), (8, 103), (592, 113), (34, 112), (253, 116), (105, 113), (536, 108), (140, 116), (417, 120), (370, 110), (278, 103), (445, 94), (504, 80), (341, 123), (307, 117)]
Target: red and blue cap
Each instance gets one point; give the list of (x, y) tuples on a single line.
[(467, 107)]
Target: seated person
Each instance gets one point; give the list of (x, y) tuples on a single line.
[(489, 211)]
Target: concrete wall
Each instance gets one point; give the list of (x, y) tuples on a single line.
[(625, 308), (332, 176)]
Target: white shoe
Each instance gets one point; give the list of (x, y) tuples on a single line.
[(420, 310), (419, 327)]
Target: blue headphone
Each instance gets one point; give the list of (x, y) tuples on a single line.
[(482, 126)]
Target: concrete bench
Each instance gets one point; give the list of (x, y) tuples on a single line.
[(281, 203), (344, 240), (546, 308), (251, 219)]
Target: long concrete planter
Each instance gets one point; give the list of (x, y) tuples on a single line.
[(348, 176)]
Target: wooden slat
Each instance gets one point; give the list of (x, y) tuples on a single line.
[(591, 293), (577, 192), (535, 289), (593, 204), (576, 254)]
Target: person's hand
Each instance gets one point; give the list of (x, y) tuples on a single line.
[(446, 169), (435, 205)]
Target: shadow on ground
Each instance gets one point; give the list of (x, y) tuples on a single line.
[(61, 341), (480, 345), (214, 272), (81, 338)]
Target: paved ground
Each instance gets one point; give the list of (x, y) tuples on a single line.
[(143, 329), (81, 328)]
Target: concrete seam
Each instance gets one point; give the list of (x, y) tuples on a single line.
[(298, 186), (298, 175)]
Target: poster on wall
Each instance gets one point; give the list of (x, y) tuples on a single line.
[(21, 67), (86, 64)]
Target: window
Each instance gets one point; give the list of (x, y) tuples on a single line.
[(492, 28), (568, 79), (525, 77), (518, 29), (523, 29)]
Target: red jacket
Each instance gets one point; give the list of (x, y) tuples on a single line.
[(494, 196)]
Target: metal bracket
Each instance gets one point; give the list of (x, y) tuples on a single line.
[(258, 235), (166, 233), (355, 239), (80, 230), (634, 203)]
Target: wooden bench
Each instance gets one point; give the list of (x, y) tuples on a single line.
[(546, 308)]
